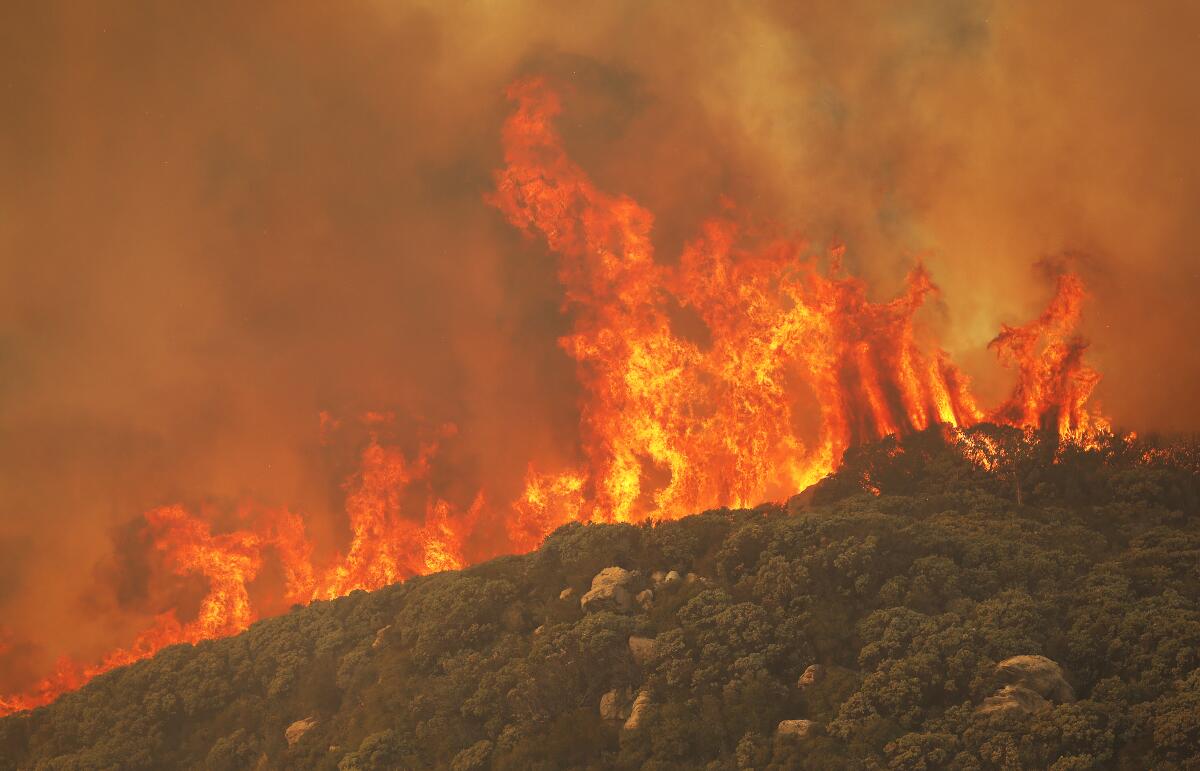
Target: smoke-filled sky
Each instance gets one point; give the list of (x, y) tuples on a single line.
[(218, 220)]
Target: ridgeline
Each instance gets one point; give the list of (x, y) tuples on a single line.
[(913, 611)]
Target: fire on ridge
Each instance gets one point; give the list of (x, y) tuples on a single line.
[(669, 425)]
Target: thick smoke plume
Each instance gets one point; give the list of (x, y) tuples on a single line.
[(228, 233)]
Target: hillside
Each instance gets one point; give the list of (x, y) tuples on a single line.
[(1044, 613)]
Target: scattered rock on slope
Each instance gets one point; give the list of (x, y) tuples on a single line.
[(1039, 674), (608, 591), (665, 580), (1033, 684), (1013, 698), (298, 729), (638, 712), (797, 729), (813, 675), (616, 704)]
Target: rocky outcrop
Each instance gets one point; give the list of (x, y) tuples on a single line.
[(1039, 674), (1034, 683), (609, 592), (645, 599), (813, 675), (665, 580), (617, 704), (797, 729), (638, 712), (642, 649), (1013, 699), (296, 730), (566, 594)]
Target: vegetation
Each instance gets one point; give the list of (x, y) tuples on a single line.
[(908, 599)]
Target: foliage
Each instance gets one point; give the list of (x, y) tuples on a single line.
[(907, 598)]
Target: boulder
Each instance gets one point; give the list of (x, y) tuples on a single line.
[(566, 594), (616, 704), (645, 599), (638, 712), (1013, 699), (608, 592), (797, 729), (1039, 674), (665, 580), (642, 649), (813, 675), (377, 643), (298, 729)]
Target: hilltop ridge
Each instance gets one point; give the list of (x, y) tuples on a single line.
[(906, 612)]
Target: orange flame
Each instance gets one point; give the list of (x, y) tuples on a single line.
[(713, 423), (669, 424), (1054, 384)]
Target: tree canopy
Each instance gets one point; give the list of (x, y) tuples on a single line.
[(906, 577)]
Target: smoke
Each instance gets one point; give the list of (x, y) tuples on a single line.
[(219, 220)]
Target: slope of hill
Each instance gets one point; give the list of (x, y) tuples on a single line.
[(949, 624)]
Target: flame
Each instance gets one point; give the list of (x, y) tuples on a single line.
[(1054, 384), (713, 422), (670, 423), (549, 500), (228, 562)]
